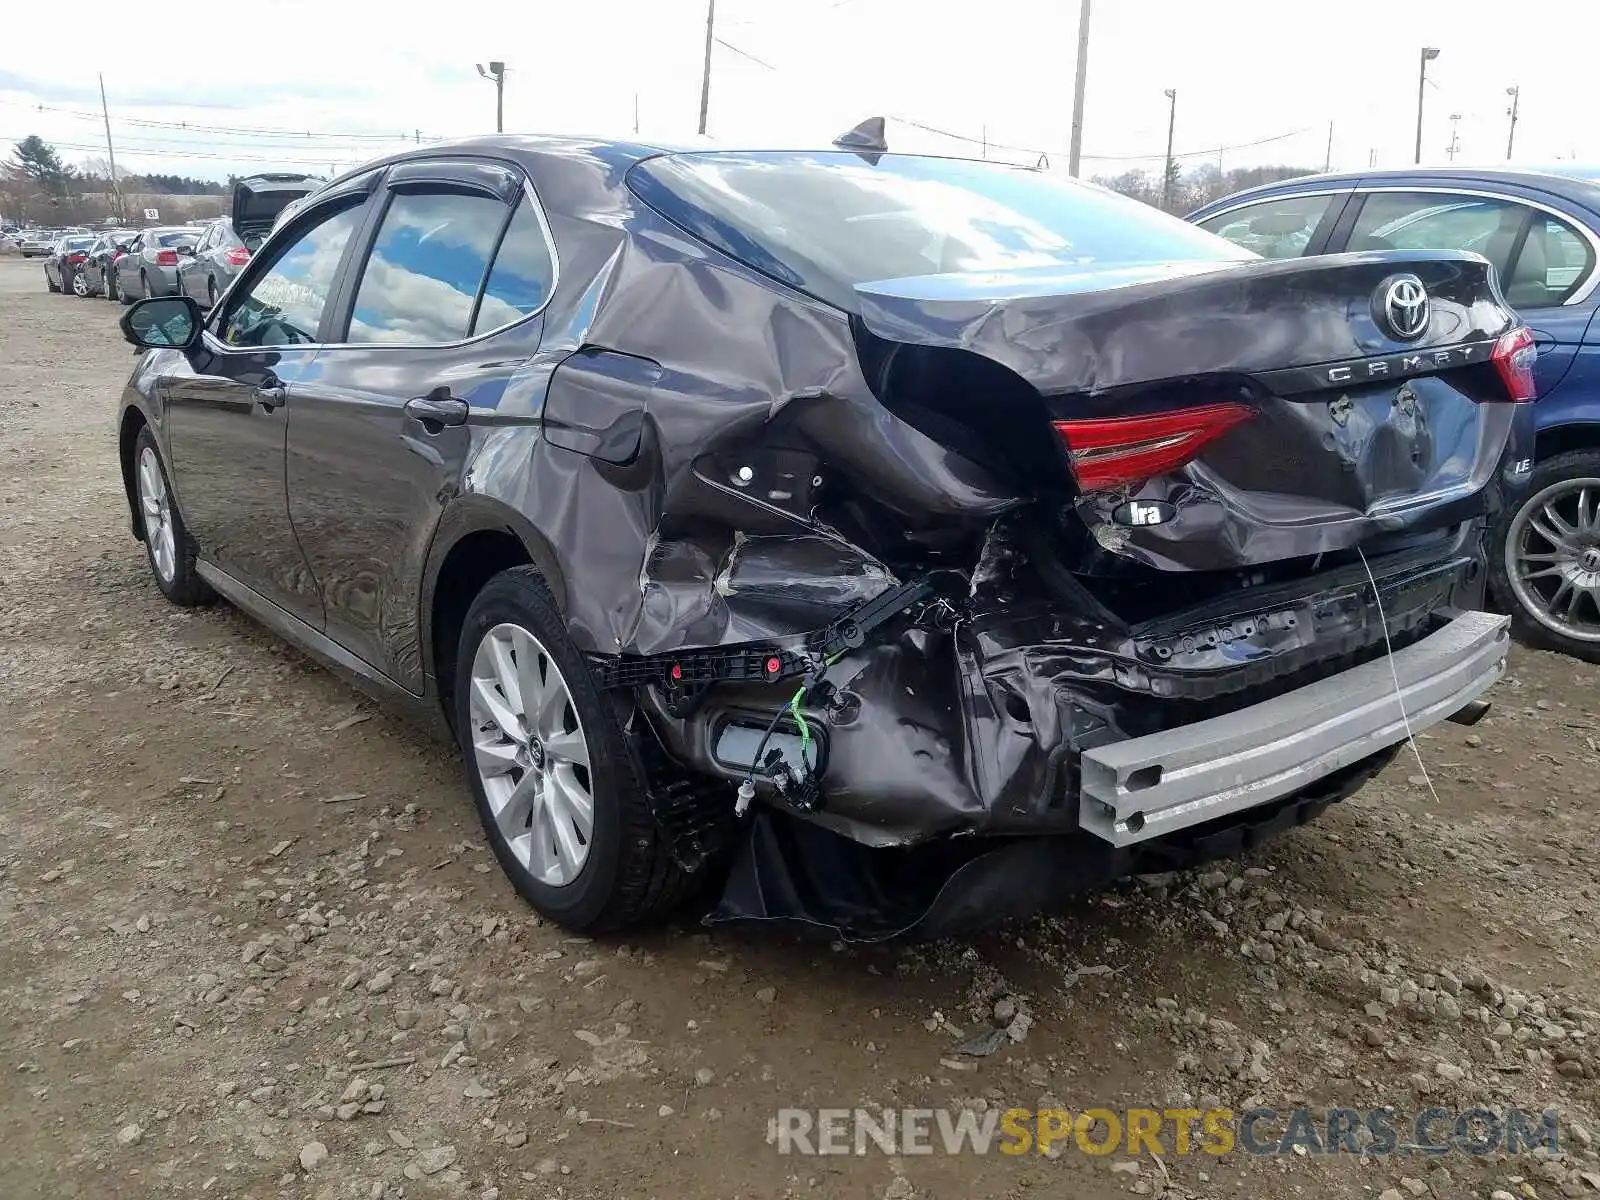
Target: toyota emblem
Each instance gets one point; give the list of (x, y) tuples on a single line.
[(1401, 306)]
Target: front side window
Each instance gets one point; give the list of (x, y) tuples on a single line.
[(283, 306), (1439, 221), (825, 222), (427, 264), (520, 281), (1281, 227)]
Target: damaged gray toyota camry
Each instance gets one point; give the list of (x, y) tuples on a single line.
[(895, 542)]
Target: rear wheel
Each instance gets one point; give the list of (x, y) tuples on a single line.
[(108, 280), (211, 292), (559, 792), (80, 285), (1545, 558), (49, 283)]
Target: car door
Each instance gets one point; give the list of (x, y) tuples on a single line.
[(381, 431), (1529, 245), (228, 408), (192, 266)]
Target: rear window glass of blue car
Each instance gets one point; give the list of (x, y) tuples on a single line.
[(824, 222), (176, 238)]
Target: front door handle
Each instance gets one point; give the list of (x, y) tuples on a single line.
[(272, 397), (436, 411)]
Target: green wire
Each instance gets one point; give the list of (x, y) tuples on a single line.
[(800, 720)]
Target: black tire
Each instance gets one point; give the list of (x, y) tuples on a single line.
[(1574, 464), (122, 292), (80, 279), (628, 876), (110, 278), (48, 284), (211, 291), (185, 588)]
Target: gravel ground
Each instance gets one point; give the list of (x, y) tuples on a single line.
[(252, 944)]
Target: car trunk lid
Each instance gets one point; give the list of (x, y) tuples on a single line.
[(1217, 415), (258, 199)]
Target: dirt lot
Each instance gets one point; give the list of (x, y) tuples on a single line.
[(253, 945)]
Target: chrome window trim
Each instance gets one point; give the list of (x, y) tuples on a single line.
[(555, 279), (1578, 296)]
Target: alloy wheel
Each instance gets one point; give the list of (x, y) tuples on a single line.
[(157, 508), (531, 754), (1553, 558), (80, 284)]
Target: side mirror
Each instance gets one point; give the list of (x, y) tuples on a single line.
[(182, 249), (162, 322)]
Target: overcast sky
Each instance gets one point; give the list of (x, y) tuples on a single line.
[(803, 71)]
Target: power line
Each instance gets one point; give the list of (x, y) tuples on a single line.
[(224, 130)]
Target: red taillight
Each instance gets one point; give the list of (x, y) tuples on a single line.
[(75, 259), (1112, 452), (166, 258), (1513, 358), (237, 256), (120, 252)]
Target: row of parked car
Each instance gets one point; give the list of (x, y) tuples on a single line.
[(173, 260)]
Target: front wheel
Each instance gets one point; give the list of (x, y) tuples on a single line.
[(559, 793), (1545, 557), (166, 540), (80, 285)]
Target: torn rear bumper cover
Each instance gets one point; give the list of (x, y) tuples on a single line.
[(1149, 786)]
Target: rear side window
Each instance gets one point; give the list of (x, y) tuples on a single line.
[(1439, 221), (522, 276), (426, 267), (824, 222), (1552, 264), (1281, 227)]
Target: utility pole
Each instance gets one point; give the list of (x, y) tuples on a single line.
[(111, 155), (705, 72), (983, 133), (497, 72), (1429, 53), (1327, 159), (1455, 142), (636, 114), (1511, 134), (1172, 121), (1075, 152)]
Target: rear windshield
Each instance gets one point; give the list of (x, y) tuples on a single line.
[(823, 222), (78, 243), (175, 238)]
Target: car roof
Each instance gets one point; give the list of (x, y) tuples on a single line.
[(1571, 184)]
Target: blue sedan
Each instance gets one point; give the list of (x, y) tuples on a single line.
[(1541, 231)]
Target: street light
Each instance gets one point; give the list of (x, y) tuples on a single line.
[(497, 72), (1429, 53)]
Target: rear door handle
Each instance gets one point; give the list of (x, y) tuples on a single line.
[(436, 412), (272, 397)]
